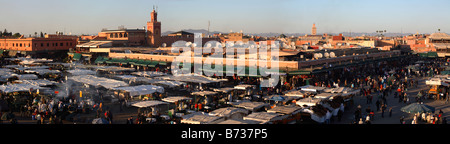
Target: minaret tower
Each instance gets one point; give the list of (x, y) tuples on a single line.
[(154, 30)]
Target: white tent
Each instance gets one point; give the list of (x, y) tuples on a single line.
[(265, 117), (43, 71), (202, 119), (27, 77), (297, 93), (312, 88), (325, 95), (77, 72), (308, 101), (98, 81), (40, 82), (141, 89), (148, 73), (234, 121), (174, 99), (252, 106), (243, 86), (437, 81), (18, 88), (151, 103), (285, 110), (204, 93), (230, 112), (170, 84)]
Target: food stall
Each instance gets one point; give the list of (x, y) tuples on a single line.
[(293, 113), (197, 118), (205, 98), (266, 117), (230, 113), (252, 106), (311, 88)]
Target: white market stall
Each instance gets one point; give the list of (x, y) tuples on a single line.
[(77, 72), (140, 90), (252, 106), (308, 101), (98, 81), (19, 88), (265, 117), (202, 119), (312, 88), (230, 113)]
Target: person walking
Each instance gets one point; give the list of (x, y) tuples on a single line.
[(390, 111)]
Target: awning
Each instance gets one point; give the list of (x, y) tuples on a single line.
[(299, 72), (153, 64), (163, 63), (76, 56)]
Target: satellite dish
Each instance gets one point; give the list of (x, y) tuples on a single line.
[(164, 44), (326, 55), (305, 47), (208, 45), (320, 55), (332, 54), (188, 44)]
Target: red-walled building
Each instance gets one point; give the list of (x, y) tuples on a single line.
[(37, 45)]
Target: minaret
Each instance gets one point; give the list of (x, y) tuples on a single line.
[(314, 29), (154, 30)]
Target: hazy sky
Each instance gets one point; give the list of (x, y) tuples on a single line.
[(251, 16)]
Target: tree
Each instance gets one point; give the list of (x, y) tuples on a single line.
[(16, 35)]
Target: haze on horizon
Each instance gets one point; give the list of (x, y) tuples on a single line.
[(252, 16)]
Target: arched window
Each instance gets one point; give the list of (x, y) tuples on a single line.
[(120, 35), (125, 35), (115, 35), (111, 35)]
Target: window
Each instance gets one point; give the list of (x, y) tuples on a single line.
[(111, 35), (120, 35), (115, 35), (20, 44), (48, 44), (61, 44), (42, 44), (125, 35)]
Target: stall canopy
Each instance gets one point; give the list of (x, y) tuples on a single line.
[(204, 93), (27, 77), (312, 88), (234, 121), (98, 81), (243, 86), (174, 99), (43, 71), (77, 72), (285, 110), (192, 79), (40, 82), (325, 95), (252, 106), (148, 73), (202, 119), (151, 103), (264, 117), (342, 90), (227, 111), (18, 88), (437, 81), (224, 90), (141, 89), (308, 101), (297, 93)]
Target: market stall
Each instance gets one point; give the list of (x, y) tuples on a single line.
[(230, 113), (313, 88), (266, 117), (293, 113), (252, 106), (197, 118)]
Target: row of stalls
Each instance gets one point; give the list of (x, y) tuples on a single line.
[(439, 85)]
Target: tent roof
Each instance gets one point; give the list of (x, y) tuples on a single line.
[(174, 99), (150, 103), (98, 81), (227, 111), (141, 89)]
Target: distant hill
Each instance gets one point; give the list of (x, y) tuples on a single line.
[(272, 34), (191, 31)]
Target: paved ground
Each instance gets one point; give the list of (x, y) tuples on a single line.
[(396, 106)]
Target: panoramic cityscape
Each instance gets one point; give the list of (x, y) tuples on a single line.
[(187, 62)]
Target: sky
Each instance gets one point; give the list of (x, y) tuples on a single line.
[(250, 16)]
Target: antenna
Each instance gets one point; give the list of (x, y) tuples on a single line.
[(208, 28)]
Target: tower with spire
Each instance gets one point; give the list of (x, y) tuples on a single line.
[(154, 30)]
